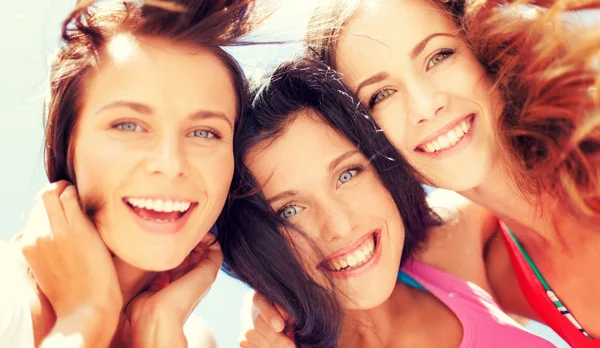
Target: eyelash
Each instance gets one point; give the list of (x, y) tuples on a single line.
[(212, 134), (358, 170), (444, 53), (119, 126), (215, 134), (375, 99)]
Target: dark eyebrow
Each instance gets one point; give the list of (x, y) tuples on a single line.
[(145, 109), (203, 114), (332, 165), (421, 45), (138, 107), (341, 158), (282, 195), (380, 76)]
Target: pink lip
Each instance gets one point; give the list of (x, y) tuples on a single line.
[(156, 227), (349, 249), (443, 131), (345, 274)]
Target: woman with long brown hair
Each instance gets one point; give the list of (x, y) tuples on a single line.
[(499, 102), (140, 122)]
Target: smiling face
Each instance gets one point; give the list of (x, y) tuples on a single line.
[(407, 63), (326, 188), (153, 149)]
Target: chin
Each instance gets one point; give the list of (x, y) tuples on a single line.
[(148, 258)]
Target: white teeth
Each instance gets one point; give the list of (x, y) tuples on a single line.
[(449, 139), (159, 205), (443, 140), (452, 137), (352, 261), (357, 258), (465, 126)]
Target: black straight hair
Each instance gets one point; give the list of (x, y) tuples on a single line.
[(251, 234)]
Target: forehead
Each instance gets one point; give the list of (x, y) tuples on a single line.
[(297, 157), (162, 75), (381, 31)]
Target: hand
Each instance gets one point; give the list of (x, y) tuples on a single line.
[(267, 324), (156, 316), (74, 270)]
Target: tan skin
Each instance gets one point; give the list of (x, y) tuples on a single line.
[(158, 119), (419, 92), (328, 202)]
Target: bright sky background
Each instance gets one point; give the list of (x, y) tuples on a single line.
[(28, 33)]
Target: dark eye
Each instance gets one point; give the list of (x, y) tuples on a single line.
[(129, 127), (439, 57), (202, 133), (347, 176), (289, 211), (380, 95)]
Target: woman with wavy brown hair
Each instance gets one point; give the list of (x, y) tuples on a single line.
[(140, 122), (498, 101)]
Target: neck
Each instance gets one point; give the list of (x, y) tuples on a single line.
[(532, 219), (379, 326), (132, 280)]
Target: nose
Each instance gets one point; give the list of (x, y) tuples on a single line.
[(336, 221), (167, 157), (425, 101)]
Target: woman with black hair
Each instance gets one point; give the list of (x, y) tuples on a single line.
[(329, 222)]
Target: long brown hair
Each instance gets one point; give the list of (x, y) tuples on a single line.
[(547, 72), (92, 24)]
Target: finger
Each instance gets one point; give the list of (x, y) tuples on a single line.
[(160, 281), (73, 211), (195, 256), (272, 338), (186, 292), (253, 338), (53, 206), (269, 312)]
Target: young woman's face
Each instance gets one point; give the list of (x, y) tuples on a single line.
[(407, 63), (153, 149), (326, 188)]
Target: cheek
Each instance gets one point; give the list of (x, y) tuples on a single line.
[(216, 170), (100, 165), (392, 121)]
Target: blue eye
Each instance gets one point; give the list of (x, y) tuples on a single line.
[(289, 211), (439, 57), (202, 133), (129, 127), (347, 176)]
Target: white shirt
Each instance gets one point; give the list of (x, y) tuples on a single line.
[(16, 327)]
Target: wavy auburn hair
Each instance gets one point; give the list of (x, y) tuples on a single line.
[(547, 71)]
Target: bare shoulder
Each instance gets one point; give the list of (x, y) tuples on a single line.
[(198, 333), (457, 246)]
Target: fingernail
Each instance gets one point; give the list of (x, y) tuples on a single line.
[(277, 325)]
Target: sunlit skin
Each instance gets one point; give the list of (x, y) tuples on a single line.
[(156, 122), (326, 188), (420, 85)]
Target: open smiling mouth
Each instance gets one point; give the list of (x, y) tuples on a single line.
[(158, 210), (448, 139), (355, 260)]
